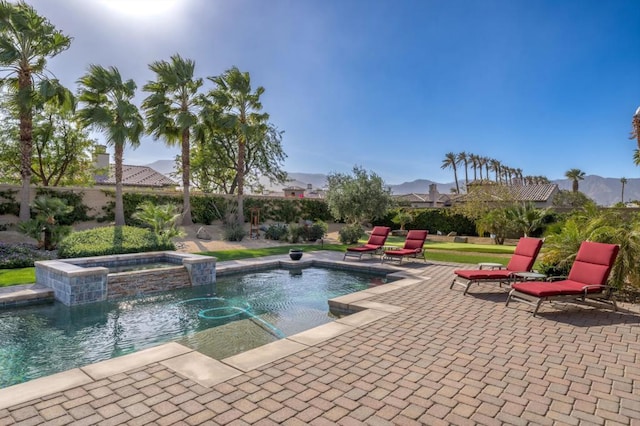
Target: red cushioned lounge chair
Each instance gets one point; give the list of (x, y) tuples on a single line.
[(412, 247), (377, 239), (522, 261), (587, 279)]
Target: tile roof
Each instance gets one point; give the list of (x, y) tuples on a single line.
[(138, 176), (535, 193)]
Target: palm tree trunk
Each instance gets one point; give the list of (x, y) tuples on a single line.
[(119, 213), (186, 174), (26, 147), (241, 154)]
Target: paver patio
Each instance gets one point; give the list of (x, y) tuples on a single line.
[(438, 358)]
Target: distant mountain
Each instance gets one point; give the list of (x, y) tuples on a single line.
[(420, 186), (166, 167), (604, 191)]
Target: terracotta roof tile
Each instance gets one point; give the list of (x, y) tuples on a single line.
[(138, 176)]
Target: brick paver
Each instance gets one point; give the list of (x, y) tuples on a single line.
[(445, 359)]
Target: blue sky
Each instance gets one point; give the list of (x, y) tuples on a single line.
[(392, 86)]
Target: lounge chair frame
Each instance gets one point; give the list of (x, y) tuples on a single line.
[(522, 260), (413, 246), (593, 262), (373, 246)]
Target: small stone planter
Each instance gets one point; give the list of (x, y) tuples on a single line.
[(295, 254)]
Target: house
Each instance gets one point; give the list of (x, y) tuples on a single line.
[(541, 195), (299, 192), (137, 176), (432, 199)]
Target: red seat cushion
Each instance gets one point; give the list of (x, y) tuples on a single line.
[(525, 254), (483, 274), (364, 248), (402, 252), (546, 289)]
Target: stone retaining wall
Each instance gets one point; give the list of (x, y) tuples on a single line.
[(85, 280)]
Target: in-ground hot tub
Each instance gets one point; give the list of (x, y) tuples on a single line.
[(94, 279)]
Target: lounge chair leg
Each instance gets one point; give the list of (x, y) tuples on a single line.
[(535, 311), (509, 298), (466, 289)]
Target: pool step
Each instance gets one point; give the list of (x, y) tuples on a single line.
[(25, 294)]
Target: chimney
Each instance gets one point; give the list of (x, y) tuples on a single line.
[(309, 187), (433, 194), (100, 163)]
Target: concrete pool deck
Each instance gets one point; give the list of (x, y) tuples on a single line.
[(419, 354)]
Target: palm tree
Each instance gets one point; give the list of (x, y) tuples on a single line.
[(27, 40), (623, 181), (495, 166), (108, 108), (526, 217), (449, 162), (487, 166), (171, 112), (240, 104), (574, 175), (464, 159), (480, 165), (519, 176), (474, 164)]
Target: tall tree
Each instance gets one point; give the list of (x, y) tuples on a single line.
[(171, 111), (474, 164), (575, 175), (463, 158), (495, 166), (449, 162), (107, 107), (233, 93), (60, 149), (623, 181), (358, 198), (27, 40)]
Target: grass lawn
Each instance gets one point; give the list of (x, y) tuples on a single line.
[(17, 276), (436, 251)]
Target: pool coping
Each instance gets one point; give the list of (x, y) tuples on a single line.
[(207, 371)]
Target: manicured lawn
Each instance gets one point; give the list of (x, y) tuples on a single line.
[(17, 276), (436, 251)]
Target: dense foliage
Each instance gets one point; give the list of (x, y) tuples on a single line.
[(111, 240), (358, 198), (350, 234), (433, 220), (22, 255)]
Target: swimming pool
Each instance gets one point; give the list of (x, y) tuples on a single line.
[(238, 313)]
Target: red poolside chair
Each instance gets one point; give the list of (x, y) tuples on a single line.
[(377, 239), (522, 261), (587, 279), (412, 246)]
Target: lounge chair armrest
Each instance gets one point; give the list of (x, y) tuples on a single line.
[(606, 288), (556, 278), (490, 265)]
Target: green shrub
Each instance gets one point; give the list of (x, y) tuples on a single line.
[(21, 255), (433, 220), (234, 232), (296, 233), (8, 204), (350, 234), (162, 220), (78, 211), (277, 231), (316, 231), (111, 240)]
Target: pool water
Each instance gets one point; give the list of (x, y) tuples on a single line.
[(237, 313)]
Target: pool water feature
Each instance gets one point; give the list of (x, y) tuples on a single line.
[(93, 279), (238, 313)]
